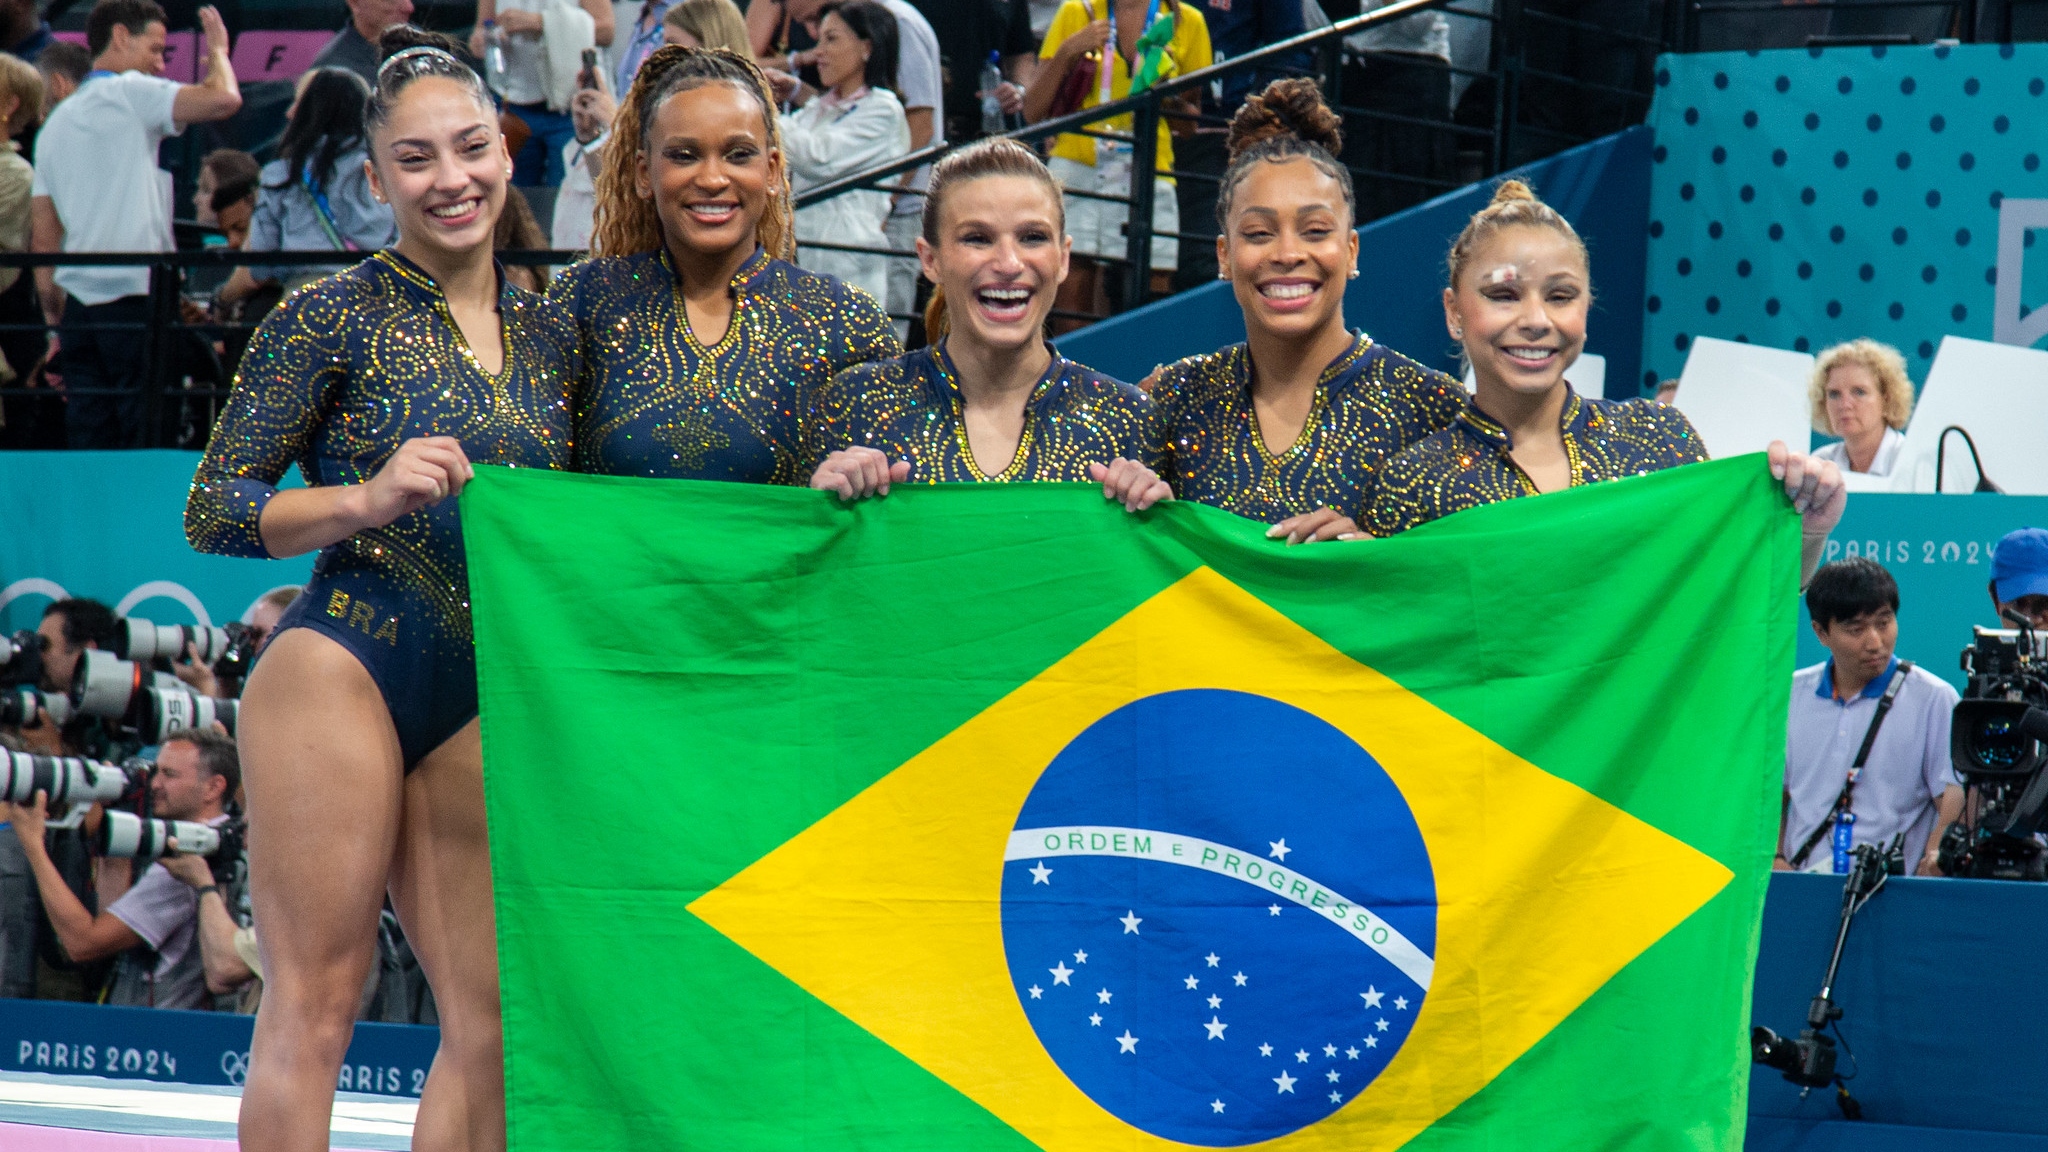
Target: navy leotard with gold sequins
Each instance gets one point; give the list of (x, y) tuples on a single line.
[(1468, 464), (335, 379), (653, 401), (1370, 403), (910, 407)]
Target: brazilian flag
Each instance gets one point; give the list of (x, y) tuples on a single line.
[(995, 817)]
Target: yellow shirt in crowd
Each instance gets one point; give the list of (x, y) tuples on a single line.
[(1188, 52)]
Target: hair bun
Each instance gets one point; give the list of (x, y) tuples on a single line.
[(1292, 107), (1512, 190)]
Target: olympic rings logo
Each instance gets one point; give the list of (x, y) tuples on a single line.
[(235, 1065), (148, 590)]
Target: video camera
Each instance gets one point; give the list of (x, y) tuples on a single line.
[(1995, 741)]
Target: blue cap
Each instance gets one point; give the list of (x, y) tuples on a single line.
[(2019, 565)]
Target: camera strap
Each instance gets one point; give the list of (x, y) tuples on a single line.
[(1842, 802)]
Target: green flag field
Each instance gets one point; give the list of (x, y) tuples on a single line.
[(995, 817)]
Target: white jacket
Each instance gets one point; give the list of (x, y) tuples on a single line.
[(825, 140)]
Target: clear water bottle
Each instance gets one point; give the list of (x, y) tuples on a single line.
[(494, 56), (993, 122)]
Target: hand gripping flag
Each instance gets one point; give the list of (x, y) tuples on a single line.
[(994, 817)]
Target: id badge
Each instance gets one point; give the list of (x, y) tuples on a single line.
[(1844, 840), (1112, 167)]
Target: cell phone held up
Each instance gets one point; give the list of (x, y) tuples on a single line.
[(588, 77)]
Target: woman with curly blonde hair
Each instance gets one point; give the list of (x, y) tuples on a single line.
[(699, 337), (1860, 392)]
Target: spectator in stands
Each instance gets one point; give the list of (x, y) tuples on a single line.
[(234, 211), (221, 168), (21, 107), (543, 57), (576, 202), (63, 65), (1238, 27), (706, 24), (968, 30), (647, 34), (1860, 392), (518, 231), (355, 46), (1078, 38), (855, 124), (316, 194), (1907, 783), (2019, 576), (152, 922), (1235, 28), (1400, 70), (919, 86), (98, 189), (23, 30)]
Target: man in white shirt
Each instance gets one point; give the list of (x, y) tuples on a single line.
[(98, 189), (1907, 783)]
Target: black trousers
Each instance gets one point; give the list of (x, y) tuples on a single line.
[(97, 355)]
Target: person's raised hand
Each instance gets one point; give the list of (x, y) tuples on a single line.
[(859, 471), (214, 29), (425, 470), (1814, 486), (1321, 524), (193, 870), (1130, 483)]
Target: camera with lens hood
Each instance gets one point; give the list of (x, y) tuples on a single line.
[(73, 784), (154, 704), (1996, 740), (19, 704)]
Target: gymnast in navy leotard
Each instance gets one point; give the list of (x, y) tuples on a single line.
[(361, 759)]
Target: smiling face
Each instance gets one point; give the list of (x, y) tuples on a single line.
[(1520, 304), (441, 163), (1289, 248), (1001, 258), (842, 56), (1855, 402), (709, 169)]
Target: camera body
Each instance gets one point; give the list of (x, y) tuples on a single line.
[(1808, 1061), (1996, 744), (21, 659)]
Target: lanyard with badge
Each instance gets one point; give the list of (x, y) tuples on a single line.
[(1113, 158), (1841, 819)]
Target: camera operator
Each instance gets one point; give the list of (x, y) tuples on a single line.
[(1867, 736), (2019, 576), (68, 628), (151, 923), (263, 618)]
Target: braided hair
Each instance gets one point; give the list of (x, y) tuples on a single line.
[(1286, 121), (624, 221)]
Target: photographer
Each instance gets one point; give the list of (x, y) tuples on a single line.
[(2019, 576), (68, 628), (229, 964), (151, 923), (263, 617), (1867, 736)]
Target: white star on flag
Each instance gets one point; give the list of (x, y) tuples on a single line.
[(1273, 908), (1301, 1057), (1332, 1075), (1213, 959), (1127, 1042), (1240, 978), (1380, 1025), (1037, 992), (1329, 1049), (1081, 957), (1191, 983), (1285, 1082), (1279, 849), (1372, 1041), (1131, 920), (1265, 1049), (1215, 1105), (1215, 1027), (1060, 972), (1373, 996), (1103, 996), (1095, 1018), (1351, 1052), (1041, 874), (1215, 1001), (1336, 1098), (1401, 1003)]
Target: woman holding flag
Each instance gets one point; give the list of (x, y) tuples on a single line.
[(990, 400), (699, 338), (1291, 426), (359, 738), (1520, 290)]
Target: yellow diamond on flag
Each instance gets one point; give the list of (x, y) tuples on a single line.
[(890, 909)]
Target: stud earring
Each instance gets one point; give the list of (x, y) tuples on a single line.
[(1354, 273), (1458, 334)]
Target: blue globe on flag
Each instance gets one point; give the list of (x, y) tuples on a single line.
[(1219, 916)]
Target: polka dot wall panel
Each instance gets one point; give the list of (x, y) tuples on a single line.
[(1806, 196)]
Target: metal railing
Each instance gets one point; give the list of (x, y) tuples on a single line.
[(1721, 25), (188, 366), (1531, 46)]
